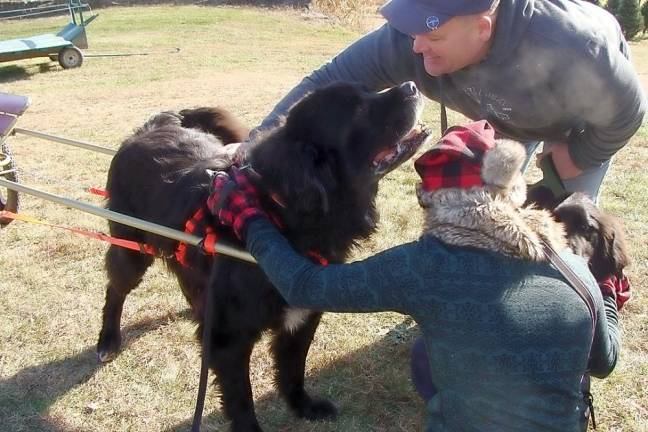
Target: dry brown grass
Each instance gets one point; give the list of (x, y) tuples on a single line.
[(350, 12), (51, 282)]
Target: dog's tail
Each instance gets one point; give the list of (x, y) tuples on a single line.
[(216, 121)]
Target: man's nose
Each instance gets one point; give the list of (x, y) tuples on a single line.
[(420, 45)]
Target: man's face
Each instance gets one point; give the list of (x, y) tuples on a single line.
[(460, 42)]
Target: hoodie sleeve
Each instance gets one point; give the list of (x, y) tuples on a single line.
[(380, 59), (605, 92)]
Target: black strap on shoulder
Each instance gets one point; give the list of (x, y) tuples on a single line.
[(574, 280), (581, 289)]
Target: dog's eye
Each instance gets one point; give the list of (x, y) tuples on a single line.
[(588, 231)]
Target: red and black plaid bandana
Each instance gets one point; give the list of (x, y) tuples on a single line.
[(455, 161)]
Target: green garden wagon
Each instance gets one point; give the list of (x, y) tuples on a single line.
[(63, 46)]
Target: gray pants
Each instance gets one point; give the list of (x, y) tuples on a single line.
[(589, 182)]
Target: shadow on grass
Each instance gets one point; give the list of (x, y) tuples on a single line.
[(12, 73), (28, 395), (371, 388)]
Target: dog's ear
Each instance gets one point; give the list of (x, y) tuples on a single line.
[(313, 184), (300, 174), (610, 256)]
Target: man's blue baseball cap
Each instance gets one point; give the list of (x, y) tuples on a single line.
[(414, 17)]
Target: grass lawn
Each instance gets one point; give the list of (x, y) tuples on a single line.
[(52, 282)]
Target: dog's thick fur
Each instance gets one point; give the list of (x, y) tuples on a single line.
[(590, 232), (317, 173), (595, 235)]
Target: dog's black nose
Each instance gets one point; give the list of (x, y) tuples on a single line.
[(409, 88)]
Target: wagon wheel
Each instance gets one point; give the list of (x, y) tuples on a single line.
[(8, 201), (70, 57)]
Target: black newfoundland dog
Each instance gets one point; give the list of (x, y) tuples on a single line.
[(318, 173)]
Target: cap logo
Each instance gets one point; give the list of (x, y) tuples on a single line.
[(432, 22)]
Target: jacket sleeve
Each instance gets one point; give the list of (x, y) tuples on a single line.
[(370, 285), (605, 92), (606, 344), (380, 59)]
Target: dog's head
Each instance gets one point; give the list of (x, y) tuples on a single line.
[(334, 146), (594, 235), (373, 132)]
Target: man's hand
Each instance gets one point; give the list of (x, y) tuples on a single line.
[(565, 167)]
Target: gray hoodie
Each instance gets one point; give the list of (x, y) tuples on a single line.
[(556, 68)]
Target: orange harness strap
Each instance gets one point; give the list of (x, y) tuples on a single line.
[(209, 240), (208, 243), (98, 191), (128, 244)]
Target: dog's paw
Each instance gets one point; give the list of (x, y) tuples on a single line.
[(317, 409), (108, 348)]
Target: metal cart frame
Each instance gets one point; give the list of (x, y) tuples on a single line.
[(12, 107)]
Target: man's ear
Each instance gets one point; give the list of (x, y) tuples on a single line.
[(485, 27)]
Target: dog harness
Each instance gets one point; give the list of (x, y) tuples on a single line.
[(197, 223), (191, 227)]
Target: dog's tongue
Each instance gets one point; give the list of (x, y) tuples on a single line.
[(382, 155), (390, 152), (389, 158)]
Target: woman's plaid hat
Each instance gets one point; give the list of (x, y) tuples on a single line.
[(456, 160)]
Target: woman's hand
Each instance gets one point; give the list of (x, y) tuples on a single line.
[(234, 200)]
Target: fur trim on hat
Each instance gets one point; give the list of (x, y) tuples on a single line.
[(491, 217), (503, 162), (475, 218), (501, 170)]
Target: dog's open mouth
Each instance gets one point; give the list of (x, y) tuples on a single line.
[(390, 158)]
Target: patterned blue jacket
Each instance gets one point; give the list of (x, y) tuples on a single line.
[(508, 340)]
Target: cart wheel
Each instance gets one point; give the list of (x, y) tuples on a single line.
[(70, 57), (8, 201)]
